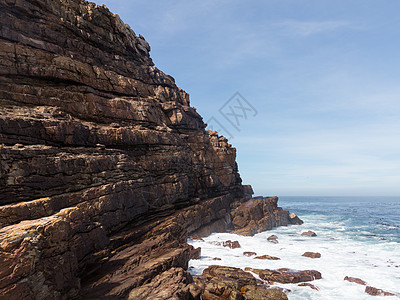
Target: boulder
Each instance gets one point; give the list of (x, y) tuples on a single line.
[(355, 280), (294, 219), (231, 244), (273, 239), (268, 257), (195, 253), (247, 253), (377, 292), (309, 233), (262, 292), (309, 285), (311, 254)]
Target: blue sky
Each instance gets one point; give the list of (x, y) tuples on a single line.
[(323, 75)]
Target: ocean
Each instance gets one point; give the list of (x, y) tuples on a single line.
[(356, 236)]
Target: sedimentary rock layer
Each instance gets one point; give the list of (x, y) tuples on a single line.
[(105, 168)]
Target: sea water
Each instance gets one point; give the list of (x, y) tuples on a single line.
[(356, 236)]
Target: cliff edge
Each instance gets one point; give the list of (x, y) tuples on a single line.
[(105, 168)]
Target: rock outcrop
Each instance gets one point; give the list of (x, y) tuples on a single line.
[(105, 168), (260, 214), (220, 282)]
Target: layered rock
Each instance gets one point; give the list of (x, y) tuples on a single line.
[(105, 168), (260, 214), (220, 282)]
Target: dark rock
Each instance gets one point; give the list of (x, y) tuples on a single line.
[(309, 233), (311, 254), (294, 219), (355, 280)]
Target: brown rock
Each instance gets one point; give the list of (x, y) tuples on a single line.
[(257, 215), (355, 280), (243, 278), (309, 233), (195, 253), (231, 244), (263, 292), (311, 254), (247, 253), (377, 292), (217, 258), (285, 275), (171, 284), (267, 257)]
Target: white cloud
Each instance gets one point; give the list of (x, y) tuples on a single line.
[(307, 28)]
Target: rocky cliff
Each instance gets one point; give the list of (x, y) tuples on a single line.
[(105, 168)]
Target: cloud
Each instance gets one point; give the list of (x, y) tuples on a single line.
[(308, 28)]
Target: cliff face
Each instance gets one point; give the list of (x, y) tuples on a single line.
[(105, 168)]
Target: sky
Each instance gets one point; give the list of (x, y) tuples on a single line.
[(318, 84)]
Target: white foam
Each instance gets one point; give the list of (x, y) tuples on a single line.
[(373, 260)]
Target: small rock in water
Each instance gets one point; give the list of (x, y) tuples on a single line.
[(311, 254), (308, 284), (267, 257), (273, 239), (377, 292), (309, 233), (355, 280), (231, 244), (216, 258), (248, 253)]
